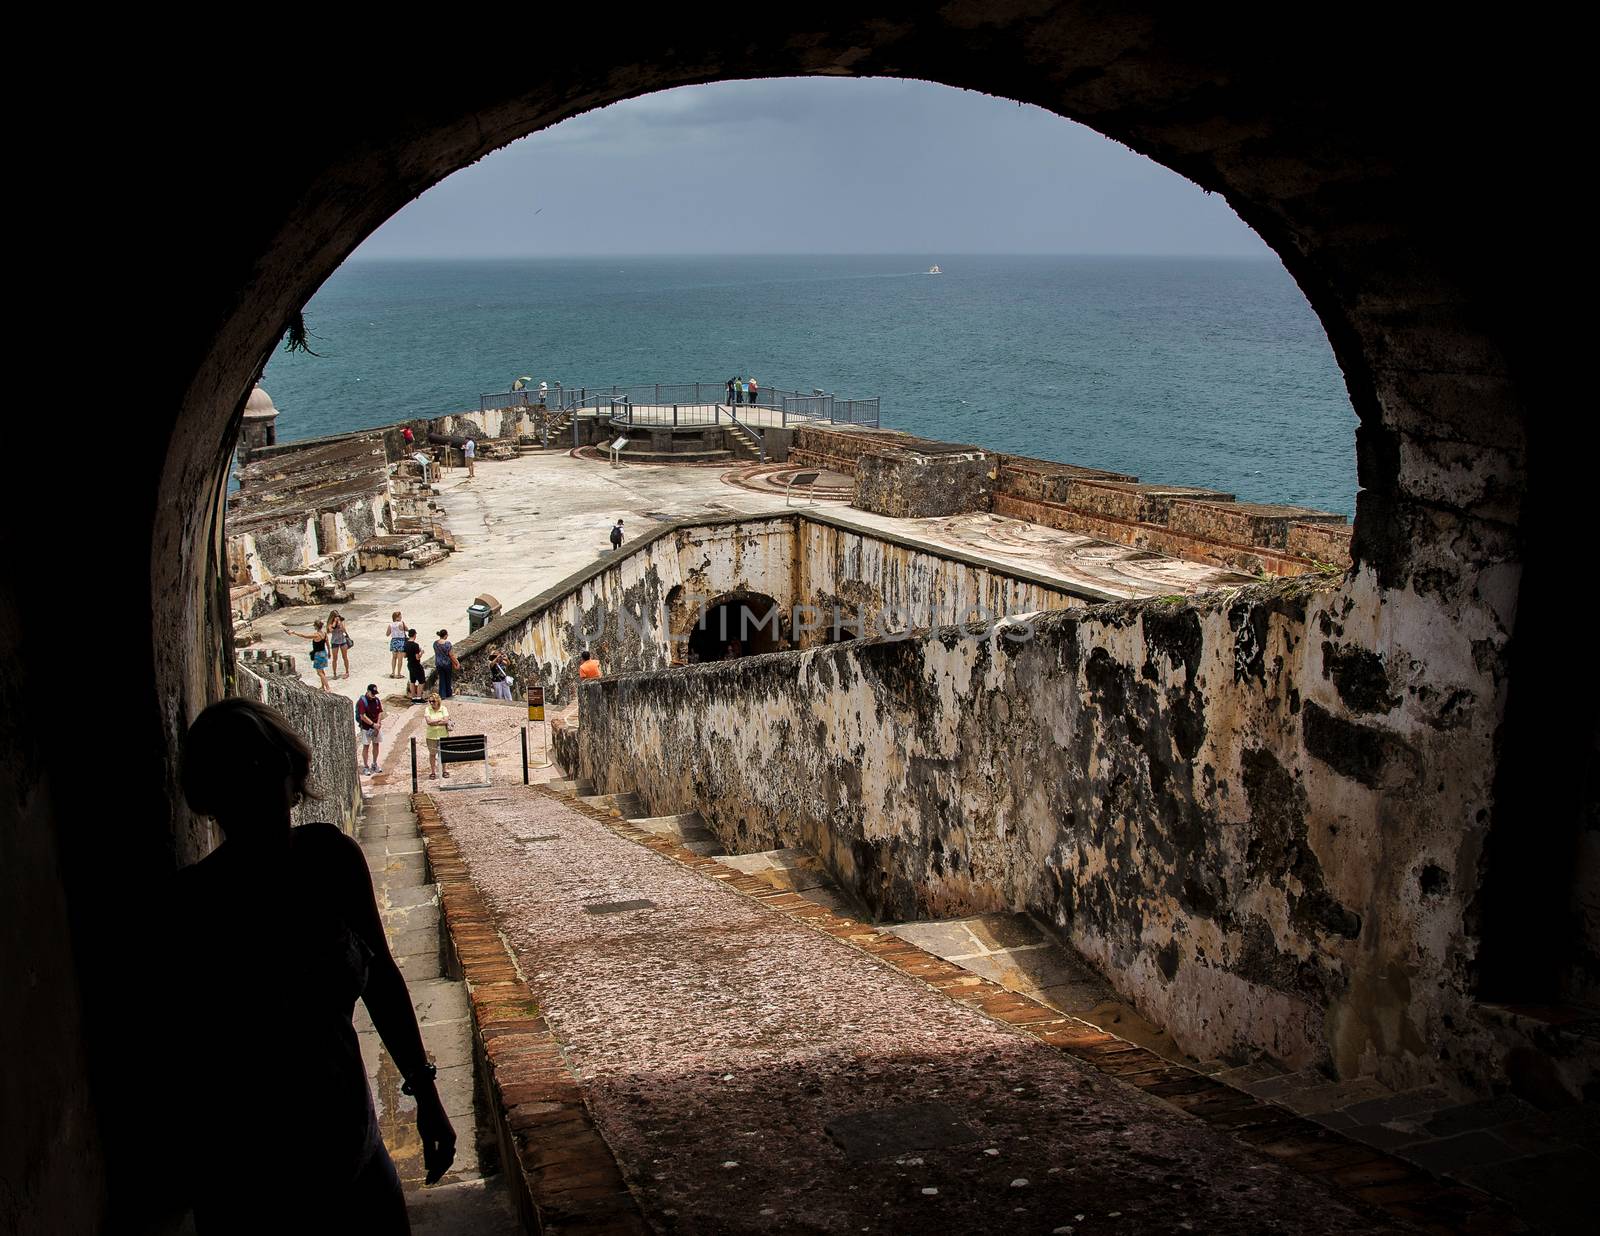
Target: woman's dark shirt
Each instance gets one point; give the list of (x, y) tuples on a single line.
[(273, 971)]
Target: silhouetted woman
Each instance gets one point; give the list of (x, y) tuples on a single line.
[(278, 937)]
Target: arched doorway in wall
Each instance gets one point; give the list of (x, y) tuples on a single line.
[(1385, 216), (737, 624)]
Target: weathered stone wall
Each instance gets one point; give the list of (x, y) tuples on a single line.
[(327, 722), (1258, 815), (663, 582), (306, 507), (921, 484), (1045, 480), (620, 606), (888, 584)]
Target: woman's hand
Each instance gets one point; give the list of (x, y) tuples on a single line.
[(438, 1137)]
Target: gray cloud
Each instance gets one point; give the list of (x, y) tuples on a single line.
[(816, 165)]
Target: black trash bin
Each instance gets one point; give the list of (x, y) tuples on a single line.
[(478, 615)]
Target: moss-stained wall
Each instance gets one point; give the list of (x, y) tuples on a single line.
[(328, 724), (632, 608), (887, 584), (1259, 812), (620, 606)]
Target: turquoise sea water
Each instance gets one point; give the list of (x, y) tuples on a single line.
[(1198, 371)]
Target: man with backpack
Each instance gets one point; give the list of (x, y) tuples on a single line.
[(369, 721)]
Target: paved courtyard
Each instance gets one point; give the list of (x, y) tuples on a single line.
[(522, 525)]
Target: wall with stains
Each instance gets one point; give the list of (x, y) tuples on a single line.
[(886, 584), (637, 607), (621, 606), (1258, 812), (327, 722)]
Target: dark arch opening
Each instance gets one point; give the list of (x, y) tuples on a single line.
[(738, 624)]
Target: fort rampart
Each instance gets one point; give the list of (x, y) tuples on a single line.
[(827, 578), (327, 723), (1227, 802)]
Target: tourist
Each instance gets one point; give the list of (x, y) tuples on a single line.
[(319, 648), (397, 644), (544, 393), (469, 452), (733, 391), (499, 680), (616, 535), (445, 663), (753, 390), (369, 720), (589, 665), (407, 437), (739, 392), (339, 642), (437, 719), (414, 671), (276, 934)]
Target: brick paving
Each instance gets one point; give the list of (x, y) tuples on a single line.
[(738, 1046)]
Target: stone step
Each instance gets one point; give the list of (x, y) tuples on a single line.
[(689, 829), (791, 871), (427, 555), (481, 1207), (621, 805), (629, 455)]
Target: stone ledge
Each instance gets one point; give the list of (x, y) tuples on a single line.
[(1360, 1172), (563, 1173)]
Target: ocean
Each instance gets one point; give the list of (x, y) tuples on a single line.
[(1199, 371)]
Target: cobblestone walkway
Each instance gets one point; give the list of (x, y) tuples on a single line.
[(755, 1075)]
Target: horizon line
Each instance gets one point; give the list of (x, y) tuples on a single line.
[(504, 257)]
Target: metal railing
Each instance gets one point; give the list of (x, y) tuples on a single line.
[(690, 403)]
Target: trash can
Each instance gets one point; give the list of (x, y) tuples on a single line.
[(478, 615)]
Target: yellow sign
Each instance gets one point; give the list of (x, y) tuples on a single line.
[(536, 703)]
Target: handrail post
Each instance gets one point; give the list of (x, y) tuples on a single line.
[(674, 416)]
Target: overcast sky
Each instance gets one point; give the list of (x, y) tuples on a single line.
[(816, 165)]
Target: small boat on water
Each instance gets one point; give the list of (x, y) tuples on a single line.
[(934, 270)]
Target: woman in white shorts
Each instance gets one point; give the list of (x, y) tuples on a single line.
[(397, 645)]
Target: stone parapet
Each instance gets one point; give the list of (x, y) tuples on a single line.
[(1198, 793), (916, 484), (327, 722), (1259, 525)]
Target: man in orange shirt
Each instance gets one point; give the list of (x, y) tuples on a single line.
[(590, 666)]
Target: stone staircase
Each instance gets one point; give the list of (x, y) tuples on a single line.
[(557, 422), (1502, 1146), (469, 1201), (787, 870)]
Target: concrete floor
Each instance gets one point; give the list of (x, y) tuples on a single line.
[(523, 525)]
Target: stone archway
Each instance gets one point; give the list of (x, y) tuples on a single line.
[(1380, 165), (737, 624)]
